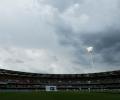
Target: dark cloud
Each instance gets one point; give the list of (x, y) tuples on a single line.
[(106, 43), (61, 5)]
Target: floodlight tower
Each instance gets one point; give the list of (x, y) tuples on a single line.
[(90, 53)]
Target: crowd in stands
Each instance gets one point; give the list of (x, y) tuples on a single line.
[(23, 80)]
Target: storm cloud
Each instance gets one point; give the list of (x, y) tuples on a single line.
[(47, 36)]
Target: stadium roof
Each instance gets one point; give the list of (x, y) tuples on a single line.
[(27, 74)]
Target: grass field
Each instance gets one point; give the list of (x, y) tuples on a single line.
[(58, 96)]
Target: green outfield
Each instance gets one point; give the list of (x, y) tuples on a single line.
[(58, 96)]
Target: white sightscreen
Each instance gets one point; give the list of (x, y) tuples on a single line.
[(51, 88)]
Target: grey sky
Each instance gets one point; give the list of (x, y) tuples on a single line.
[(50, 36)]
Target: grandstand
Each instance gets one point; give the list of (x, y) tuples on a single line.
[(15, 80)]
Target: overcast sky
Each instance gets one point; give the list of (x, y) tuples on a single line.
[(51, 36)]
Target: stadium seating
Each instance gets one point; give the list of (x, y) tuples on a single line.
[(16, 80)]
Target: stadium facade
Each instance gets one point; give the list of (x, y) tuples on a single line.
[(15, 80)]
